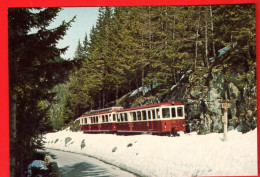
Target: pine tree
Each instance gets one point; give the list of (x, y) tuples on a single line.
[(34, 69), (79, 53), (132, 47), (236, 23)]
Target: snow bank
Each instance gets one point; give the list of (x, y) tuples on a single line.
[(148, 155)]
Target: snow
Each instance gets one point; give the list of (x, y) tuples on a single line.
[(145, 88), (37, 164), (182, 77), (150, 155), (72, 164), (173, 87)]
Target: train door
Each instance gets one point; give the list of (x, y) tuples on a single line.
[(130, 121), (134, 119), (173, 116), (98, 120), (145, 123), (150, 117)]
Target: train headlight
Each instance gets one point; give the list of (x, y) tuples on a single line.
[(165, 127)]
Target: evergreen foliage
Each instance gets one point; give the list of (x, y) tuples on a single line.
[(128, 48), (35, 67), (132, 47)]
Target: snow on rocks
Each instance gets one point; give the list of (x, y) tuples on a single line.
[(148, 155), (39, 164)]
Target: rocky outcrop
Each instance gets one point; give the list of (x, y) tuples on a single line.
[(203, 93), (207, 90)]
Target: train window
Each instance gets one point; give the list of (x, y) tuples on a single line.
[(134, 116), (158, 113), (114, 117), (144, 115), (153, 113), (103, 118), (126, 119), (96, 119), (165, 112), (118, 118), (173, 112), (180, 112), (85, 120), (149, 114), (121, 117), (139, 115), (106, 118)]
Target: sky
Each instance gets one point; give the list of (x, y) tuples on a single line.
[(86, 17)]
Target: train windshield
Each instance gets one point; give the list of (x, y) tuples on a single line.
[(166, 112), (180, 111)]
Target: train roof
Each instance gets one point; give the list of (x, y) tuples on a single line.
[(120, 109), (102, 111), (151, 106)]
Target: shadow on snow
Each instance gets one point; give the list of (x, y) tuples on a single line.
[(83, 169)]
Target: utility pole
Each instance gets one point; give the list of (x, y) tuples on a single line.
[(225, 119)]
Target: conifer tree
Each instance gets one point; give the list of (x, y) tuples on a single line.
[(34, 68), (79, 53), (236, 23), (132, 47)]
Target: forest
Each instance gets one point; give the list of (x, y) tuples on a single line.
[(128, 48), (133, 47)]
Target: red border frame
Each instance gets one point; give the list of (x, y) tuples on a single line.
[(5, 4)]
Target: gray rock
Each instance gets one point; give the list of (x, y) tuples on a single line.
[(234, 93)]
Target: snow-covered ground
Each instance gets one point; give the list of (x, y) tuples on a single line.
[(148, 155)]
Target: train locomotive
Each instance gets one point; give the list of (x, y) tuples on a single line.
[(161, 118)]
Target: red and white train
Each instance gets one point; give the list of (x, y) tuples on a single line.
[(162, 118)]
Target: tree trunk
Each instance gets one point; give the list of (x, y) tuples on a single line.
[(212, 32), (21, 165), (173, 30), (196, 49), (12, 129), (149, 29), (103, 98), (99, 99), (143, 81), (248, 50), (116, 93), (166, 28), (206, 39), (196, 43)]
